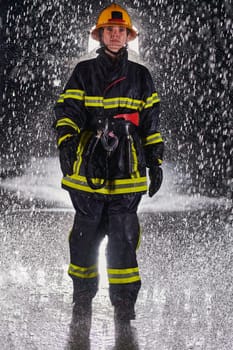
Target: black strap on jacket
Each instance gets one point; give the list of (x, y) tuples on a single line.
[(109, 142), (120, 124)]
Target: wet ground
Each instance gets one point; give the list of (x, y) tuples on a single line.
[(186, 264)]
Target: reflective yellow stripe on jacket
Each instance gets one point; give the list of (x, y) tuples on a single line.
[(71, 93), (152, 139), (151, 100), (135, 172), (122, 276), (108, 103), (67, 122), (82, 144), (116, 186), (63, 138)]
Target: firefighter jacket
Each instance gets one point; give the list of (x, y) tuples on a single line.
[(114, 109)]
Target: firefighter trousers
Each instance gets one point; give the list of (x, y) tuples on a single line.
[(94, 218)]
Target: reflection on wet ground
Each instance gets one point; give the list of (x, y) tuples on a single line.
[(186, 300)]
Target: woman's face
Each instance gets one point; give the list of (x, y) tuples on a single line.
[(114, 37)]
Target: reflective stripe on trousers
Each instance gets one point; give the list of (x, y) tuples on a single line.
[(93, 220)]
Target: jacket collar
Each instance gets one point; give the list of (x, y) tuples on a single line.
[(112, 69)]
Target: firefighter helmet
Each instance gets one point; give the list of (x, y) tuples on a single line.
[(113, 15)]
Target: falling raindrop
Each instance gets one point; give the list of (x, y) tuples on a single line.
[(186, 254)]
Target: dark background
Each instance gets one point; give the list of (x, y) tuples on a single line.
[(187, 46)]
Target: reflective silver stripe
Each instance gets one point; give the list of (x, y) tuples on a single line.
[(98, 101), (71, 93), (75, 94), (93, 101), (123, 276), (123, 102)]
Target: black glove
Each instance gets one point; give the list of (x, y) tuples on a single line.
[(67, 155), (156, 179)]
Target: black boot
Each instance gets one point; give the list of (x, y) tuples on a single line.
[(123, 314), (124, 311), (81, 324), (125, 336)]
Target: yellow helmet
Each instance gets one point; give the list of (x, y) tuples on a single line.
[(114, 15)]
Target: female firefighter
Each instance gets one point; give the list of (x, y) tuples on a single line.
[(107, 124)]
